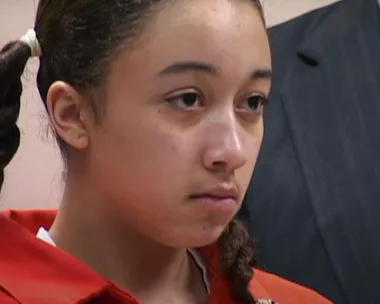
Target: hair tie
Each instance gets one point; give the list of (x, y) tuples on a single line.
[(30, 38)]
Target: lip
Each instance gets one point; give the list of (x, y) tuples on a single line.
[(220, 192), (220, 199)]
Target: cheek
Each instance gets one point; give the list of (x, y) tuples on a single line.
[(146, 178), (142, 162)]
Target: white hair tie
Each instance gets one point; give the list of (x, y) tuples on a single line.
[(30, 38)]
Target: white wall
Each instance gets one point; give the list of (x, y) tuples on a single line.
[(278, 11), (33, 179)]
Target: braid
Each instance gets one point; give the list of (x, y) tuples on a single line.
[(13, 58), (238, 259)]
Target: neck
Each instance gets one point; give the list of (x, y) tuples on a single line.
[(142, 266)]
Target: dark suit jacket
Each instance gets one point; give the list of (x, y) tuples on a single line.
[(313, 205)]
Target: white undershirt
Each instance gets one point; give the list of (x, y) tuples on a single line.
[(43, 235)]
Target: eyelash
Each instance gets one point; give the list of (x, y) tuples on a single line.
[(199, 97), (172, 99), (262, 100)]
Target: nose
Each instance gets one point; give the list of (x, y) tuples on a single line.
[(224, 150)]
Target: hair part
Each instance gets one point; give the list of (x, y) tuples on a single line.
[(79, 40)]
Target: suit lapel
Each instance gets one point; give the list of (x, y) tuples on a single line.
[(332, 98)]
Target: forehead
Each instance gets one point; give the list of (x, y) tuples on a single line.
[(222, 32)]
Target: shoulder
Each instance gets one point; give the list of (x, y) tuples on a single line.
[(265, 285)]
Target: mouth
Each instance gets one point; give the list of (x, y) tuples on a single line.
[(223, 198), (215, 197), (229, 191)]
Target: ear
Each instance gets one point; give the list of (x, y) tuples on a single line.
[(68, 111)]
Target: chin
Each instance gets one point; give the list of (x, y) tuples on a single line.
[(201, 237)]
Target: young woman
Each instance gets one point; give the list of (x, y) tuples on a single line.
[(157, 108)]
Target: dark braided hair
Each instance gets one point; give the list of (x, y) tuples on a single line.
[(13, 58), (79, 38), (238, 259)]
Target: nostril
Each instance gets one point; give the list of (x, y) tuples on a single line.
[(220, 167), (218, 164)]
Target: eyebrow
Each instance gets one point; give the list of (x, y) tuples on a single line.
[(181, 67), (262, 74), (189, 66)]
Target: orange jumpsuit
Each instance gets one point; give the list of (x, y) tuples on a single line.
[(34, 272)]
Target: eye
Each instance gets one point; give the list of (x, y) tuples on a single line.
[(254, 103), (185, 100)]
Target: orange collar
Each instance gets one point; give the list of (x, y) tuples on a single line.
[(50, 275)]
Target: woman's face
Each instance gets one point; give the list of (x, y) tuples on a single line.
[(176, 148)]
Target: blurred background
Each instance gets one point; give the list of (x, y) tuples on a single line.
[(34, 177)]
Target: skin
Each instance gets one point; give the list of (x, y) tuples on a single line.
[(130, 175)]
